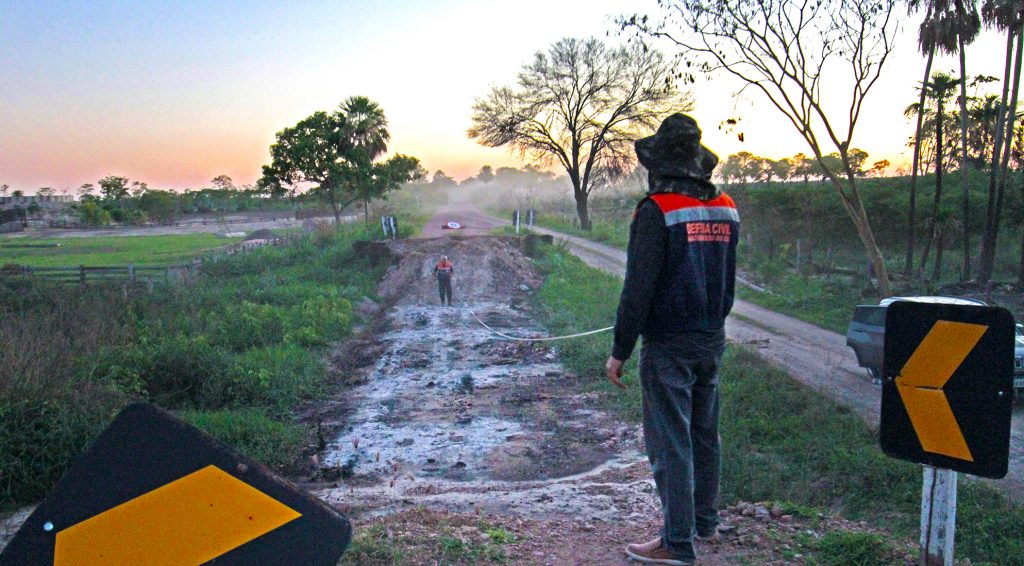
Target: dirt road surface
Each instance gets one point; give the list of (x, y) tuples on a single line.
[(442, 420)]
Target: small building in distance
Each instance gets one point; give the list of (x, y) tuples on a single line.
[(42, 201), (13, 220)]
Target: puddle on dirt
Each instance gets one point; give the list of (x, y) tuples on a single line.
[(416, 411)]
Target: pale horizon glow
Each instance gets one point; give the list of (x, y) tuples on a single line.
[(176, 95)]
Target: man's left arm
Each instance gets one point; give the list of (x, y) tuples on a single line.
[(645, 258)]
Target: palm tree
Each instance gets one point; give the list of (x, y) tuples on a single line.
[(940, 88), (926, 43), (366, 131), (367, 126), (967, 25), (1005, 15), (983, 115)]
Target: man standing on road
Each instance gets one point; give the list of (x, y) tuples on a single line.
[(444, 271), (679, 286)]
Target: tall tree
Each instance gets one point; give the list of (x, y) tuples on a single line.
[(337, 153), (223, 182), (581, 105), (966, 24), (926, 44), (114, 188), (1006, 15), (367, 131), (486, 174), (763, 43), (441, 179), (940, 88), (803, 167)]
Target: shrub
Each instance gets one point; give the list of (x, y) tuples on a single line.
[(319, 320), (41, 437), (277, 377), (846, 548), (246, 325), (174, 372), (253, 433)]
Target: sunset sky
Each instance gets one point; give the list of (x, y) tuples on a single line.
[(176, 93)]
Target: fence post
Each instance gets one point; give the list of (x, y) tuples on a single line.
[(81, 274), (799, 271), (131, 272)]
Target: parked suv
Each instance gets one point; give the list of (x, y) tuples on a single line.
[(866, 333)]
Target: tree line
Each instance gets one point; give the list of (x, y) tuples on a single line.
[(744, 167), (118, 199)]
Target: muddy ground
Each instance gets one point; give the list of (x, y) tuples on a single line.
[(439, 411), (444, 428)]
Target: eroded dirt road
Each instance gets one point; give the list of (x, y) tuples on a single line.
[(442, 420), (442, 413)]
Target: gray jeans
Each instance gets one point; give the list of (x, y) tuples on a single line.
[(679, 375)]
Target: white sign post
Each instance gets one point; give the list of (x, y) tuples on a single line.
[(938, 516)]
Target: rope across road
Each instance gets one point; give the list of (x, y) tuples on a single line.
[(525, 339)]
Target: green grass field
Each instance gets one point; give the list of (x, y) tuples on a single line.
[(109, 250)]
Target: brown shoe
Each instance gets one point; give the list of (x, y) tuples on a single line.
[(652, 552)]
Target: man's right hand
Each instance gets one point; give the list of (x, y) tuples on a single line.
[(613, 368)]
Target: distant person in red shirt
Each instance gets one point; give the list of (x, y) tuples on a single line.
[(444, 271)]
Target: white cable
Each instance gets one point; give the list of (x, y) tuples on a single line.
[(548, 339)]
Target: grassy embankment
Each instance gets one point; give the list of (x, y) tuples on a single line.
[(234, 352), (109, 250), (783, 441)]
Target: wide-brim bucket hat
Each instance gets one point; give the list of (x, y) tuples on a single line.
[(675, 150)]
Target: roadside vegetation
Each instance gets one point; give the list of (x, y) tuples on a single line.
[(109, 250), (782, 441), (235, 352), (796, 243), (120, 200)]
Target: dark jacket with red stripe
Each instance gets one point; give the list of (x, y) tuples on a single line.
[(681, 268)]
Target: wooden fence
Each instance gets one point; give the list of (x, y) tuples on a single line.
[(131, 273), (82, 275)]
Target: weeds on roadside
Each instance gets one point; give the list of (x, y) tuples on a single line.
[(234, 351)]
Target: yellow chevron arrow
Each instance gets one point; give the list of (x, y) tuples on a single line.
[(922, 379), (188, 521)]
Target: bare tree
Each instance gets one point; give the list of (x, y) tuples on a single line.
[(581, 105), (781, 49)]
